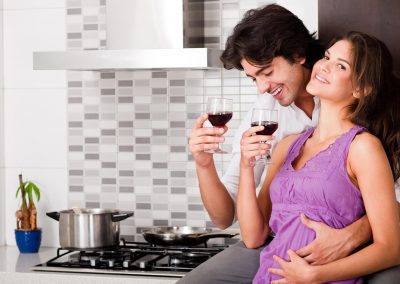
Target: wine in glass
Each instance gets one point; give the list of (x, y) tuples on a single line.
[(269, 119), (219, 112)]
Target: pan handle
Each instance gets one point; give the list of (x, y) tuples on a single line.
[(216, 235), (116, 217), (54, 215)]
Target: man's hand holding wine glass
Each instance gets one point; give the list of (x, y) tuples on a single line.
[(255, 146), (204, 141)]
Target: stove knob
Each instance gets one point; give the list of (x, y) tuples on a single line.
[(126, 263), (111, 263), (94, 262), (142, 264)]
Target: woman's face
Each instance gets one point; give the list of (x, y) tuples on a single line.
[(331, 77)]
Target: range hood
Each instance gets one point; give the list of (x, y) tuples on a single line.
[(150, 34)]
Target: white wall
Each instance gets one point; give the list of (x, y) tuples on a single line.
[(306, 10), (35, 135), (2, 191)]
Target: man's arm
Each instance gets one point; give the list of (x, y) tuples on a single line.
[(332, 244)]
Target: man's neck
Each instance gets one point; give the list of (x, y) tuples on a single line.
[(306, 103)]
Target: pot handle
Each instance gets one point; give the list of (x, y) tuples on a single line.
[(116, 217), (54, 215)]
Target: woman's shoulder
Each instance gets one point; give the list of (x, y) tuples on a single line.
[(364, 143), (284, 144)]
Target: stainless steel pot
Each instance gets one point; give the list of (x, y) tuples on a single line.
[(84, 229), (183, 236)]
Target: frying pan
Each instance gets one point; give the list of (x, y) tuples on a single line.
[(181, 236)]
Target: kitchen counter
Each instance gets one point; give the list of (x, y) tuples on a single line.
[(15, 268)]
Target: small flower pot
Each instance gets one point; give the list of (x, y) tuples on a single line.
[(28, 241)]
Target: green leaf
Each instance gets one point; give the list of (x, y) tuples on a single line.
[(29, 191), (37, 191), (19, 188)]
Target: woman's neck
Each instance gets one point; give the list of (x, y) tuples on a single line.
[(333, 121)]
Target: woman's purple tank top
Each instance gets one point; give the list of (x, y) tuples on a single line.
[(321, 190)]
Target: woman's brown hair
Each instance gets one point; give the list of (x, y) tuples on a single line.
[(378, 105)]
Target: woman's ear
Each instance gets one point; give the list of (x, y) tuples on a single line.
[(357, 93)]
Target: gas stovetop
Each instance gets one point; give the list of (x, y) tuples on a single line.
[(132, 258)]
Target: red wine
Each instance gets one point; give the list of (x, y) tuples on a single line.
[(219, 119), (269, 127)]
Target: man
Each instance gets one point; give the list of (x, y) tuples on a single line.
[(277, 52)]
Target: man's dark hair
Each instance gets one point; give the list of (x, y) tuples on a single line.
[(269, 32)]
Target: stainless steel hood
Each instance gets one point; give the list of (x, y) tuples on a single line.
[(151, 34)]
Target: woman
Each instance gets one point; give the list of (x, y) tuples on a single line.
[(334, 173)]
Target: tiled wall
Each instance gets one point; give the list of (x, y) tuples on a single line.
[(127, 131)]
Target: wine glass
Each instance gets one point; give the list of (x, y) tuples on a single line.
[(219, 112), (269, 119)]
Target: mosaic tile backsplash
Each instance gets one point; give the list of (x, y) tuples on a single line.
[(128, 131)]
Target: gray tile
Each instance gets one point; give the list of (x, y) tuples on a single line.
[(91, 156), (142, 140), (108, 181), (160, 222), (142, 115), (143, 157), (74, 35), (126, 189), (74, 11), (125, 124), (178, 190), (125, 100), (125, 148), (174, 83), (74, 100), (178, 149), (107, 75), (178, 215), (160, 181), (178, 174), (125, 83), (108, 165), (107, 92), (91, 140), (75, 148), (195, 207), (75, 172), (159, 132), (89, 204), (160, 165), (162, 74), (108, 132), (143, 206), (90, 27), (159, 91), (125, 173), (76, 188)]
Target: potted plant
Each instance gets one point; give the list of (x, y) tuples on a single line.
[(27, 235)]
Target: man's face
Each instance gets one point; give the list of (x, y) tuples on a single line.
[(284, 81)]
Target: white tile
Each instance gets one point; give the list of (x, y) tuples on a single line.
[(27, 31), (53, 185), (35, 128), (29, 4)]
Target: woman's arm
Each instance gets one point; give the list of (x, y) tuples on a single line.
[(253, 213)]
